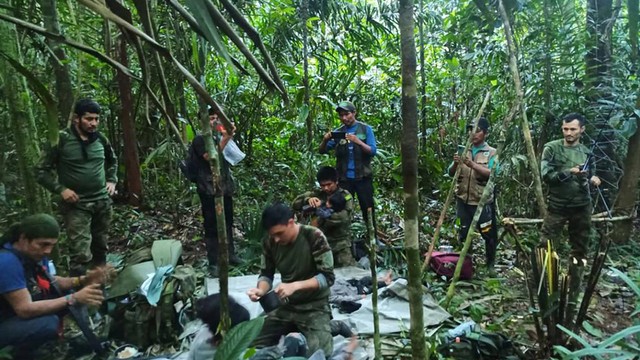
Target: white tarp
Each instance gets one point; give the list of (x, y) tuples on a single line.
[(393, 304)]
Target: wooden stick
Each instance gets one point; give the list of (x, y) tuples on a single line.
[(447, 202), (594, 218)]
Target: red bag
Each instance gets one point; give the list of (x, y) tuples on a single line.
[(444, 264)]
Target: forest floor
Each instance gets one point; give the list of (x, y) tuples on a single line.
[(497, 301)]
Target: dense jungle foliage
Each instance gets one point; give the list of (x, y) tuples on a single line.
[(278, 68)]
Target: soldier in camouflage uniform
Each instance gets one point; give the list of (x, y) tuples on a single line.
[(566, 169), (301, 254), (337, 228), (82, 169)]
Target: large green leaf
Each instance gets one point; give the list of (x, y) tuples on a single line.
[(200, 13), (238, 339)]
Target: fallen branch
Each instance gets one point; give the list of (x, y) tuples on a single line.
[(594, 218)]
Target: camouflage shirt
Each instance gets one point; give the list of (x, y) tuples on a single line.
[(82, 166), (565, 189), (337, 227), (308, 256)]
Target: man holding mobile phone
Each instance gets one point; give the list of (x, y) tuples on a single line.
[(475, 168), (353, 157)]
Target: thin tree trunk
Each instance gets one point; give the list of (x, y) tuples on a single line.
[(633, 13), (423, 79), (377, 346), (410, 177), (130, 141), (64, 89), (513, 65), (625, 205), (548, 85), (304, 13), (22, 125)]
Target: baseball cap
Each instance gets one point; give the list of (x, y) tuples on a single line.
[(483, 124), (346, 106)]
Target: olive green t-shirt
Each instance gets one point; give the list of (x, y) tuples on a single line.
[(565, 189), (307, 256)]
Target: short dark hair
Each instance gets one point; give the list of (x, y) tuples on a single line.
[(276, 214), (327, 173), (338, 201), (574, 116), (208, 310), (84, 106), (213, 111)]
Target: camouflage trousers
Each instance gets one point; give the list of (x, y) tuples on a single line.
[(341, 251), (87, 225), (312, 320), (579, 220)]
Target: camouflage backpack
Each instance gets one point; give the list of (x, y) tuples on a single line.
[(135, 320)]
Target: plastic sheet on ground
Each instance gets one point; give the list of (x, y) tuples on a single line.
[(393, 306)]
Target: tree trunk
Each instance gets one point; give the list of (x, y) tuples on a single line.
[(22, 125), (423, 80), (304, 14), (625, 205), (513, 65), (600, 20), (410, 176), (632, 11), (64, 89), (548, 84), (130, 142)]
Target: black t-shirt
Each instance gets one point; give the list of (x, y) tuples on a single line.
[(204, 183)]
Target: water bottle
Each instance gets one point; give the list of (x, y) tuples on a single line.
[(52, 268)]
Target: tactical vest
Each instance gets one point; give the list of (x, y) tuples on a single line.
[(38, 283), (470, 186), (361, 159)]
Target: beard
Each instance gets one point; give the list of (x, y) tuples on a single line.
[(85, 130)]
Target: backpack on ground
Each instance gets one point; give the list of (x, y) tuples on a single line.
[(479, 345), (146, 324), (135, 320), (444, 264), (189, 165)]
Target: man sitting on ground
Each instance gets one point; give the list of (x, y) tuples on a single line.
[(336, 227)]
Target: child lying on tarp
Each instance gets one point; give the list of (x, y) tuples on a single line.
[(346, 294), (205, 343)]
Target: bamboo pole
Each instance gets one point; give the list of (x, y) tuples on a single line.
[(488, 190), (454, 180), (513, 65), (377, 347)]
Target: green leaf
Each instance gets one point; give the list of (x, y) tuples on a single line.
[(239, 338), (630, 283), (592, 330), (303, 113), (201, 14)]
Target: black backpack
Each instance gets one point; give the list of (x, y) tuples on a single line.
[(189, 165), (478, 345)]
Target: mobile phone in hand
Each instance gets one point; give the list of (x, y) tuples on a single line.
[(460, 149), (337, 135)]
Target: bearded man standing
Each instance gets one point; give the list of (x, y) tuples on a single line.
[(567, 170), (82, 170)]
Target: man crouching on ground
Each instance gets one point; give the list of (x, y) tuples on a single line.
[(30, 307), (303, 257)]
